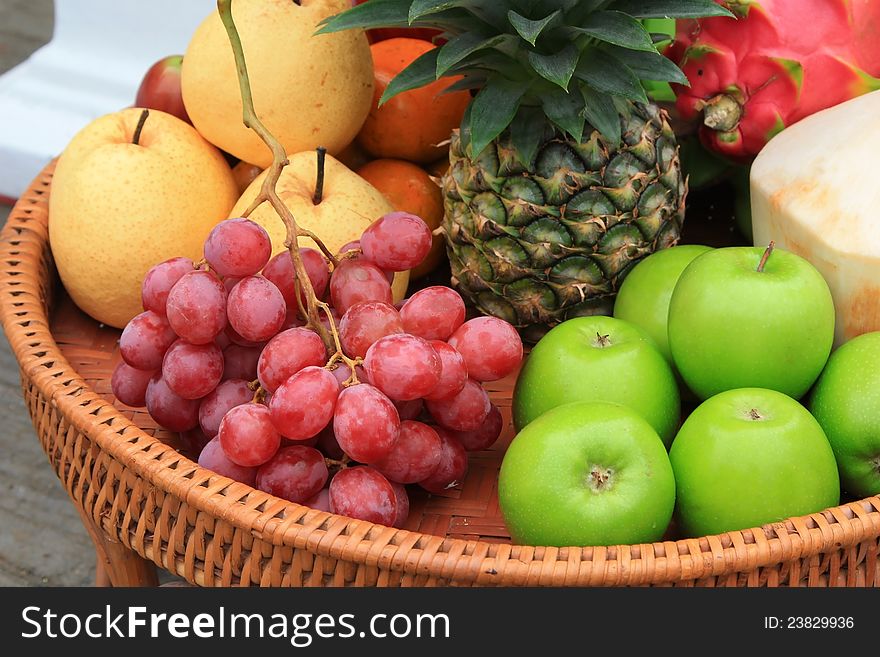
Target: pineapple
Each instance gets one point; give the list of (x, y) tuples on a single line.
[(563, 174)]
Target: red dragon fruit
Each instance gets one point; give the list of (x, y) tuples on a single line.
[(781, 61)]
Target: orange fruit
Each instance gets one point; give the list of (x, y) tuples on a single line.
[(412, 124), (409, 188), (353, 156)]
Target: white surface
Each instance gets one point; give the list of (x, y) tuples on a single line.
[(93, 65)]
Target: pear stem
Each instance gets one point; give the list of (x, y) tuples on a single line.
[(136, 137), (268, 193), (766, 256), (318, 196)]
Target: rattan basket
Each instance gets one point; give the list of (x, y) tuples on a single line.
[(145, 503)]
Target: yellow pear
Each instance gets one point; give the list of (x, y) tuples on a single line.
[(309, 90), (348, 205), (117, 208)]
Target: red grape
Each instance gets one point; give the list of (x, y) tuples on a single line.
[(169, 409), (320, 500), (491, 347), (192, 442), (325, 322), (362, 493), (247, 435), (353, 281), (433, 313), (145, 339), (214, 458), (287, 353), (366, 424), (402, 505), (352, 251), (292, 320), (308, 442), (256, 309), (234, 338), (196, 307), (410, 409), (484, 436), (453, 373), (397, 241), (240, 362), (230, 282), (354, 245), (453, 466), (327, 444), (192, 370), (129, 385), (366, 322), (237, 247), (226, 396), (295, 473), (464, 411), (303, 405), (342, 372), (403, 366), (415, 455), (159, 281), (280, 271), (222, 340)]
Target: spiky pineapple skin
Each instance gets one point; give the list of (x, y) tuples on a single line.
[(539, 245)]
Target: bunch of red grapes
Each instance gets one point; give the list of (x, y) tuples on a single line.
[(222, 354)]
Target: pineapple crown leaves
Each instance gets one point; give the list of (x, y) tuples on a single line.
[(571, 61)]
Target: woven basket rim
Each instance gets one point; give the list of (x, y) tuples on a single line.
[(24, 314)]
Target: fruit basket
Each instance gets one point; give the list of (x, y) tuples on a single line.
[(145, 504)]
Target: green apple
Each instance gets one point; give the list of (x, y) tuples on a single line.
[(738, 319), (586, 473), (748, 457), (598, 358), (846, 402), (643, 298)]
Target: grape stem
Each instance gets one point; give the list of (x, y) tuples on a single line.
[(268, 193), (335, 465)]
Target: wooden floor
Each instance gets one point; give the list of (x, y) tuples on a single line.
[(42, 542)]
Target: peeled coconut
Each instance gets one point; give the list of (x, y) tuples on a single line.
[(814, 191)]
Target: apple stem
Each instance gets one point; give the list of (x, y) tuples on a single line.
[(766, 256), (268, 192), (140, 126), (318, 196)]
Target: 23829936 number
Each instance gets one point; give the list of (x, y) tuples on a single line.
[(819, 622), (808, 622)]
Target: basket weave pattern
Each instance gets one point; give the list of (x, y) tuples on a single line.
[(139, 496)]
